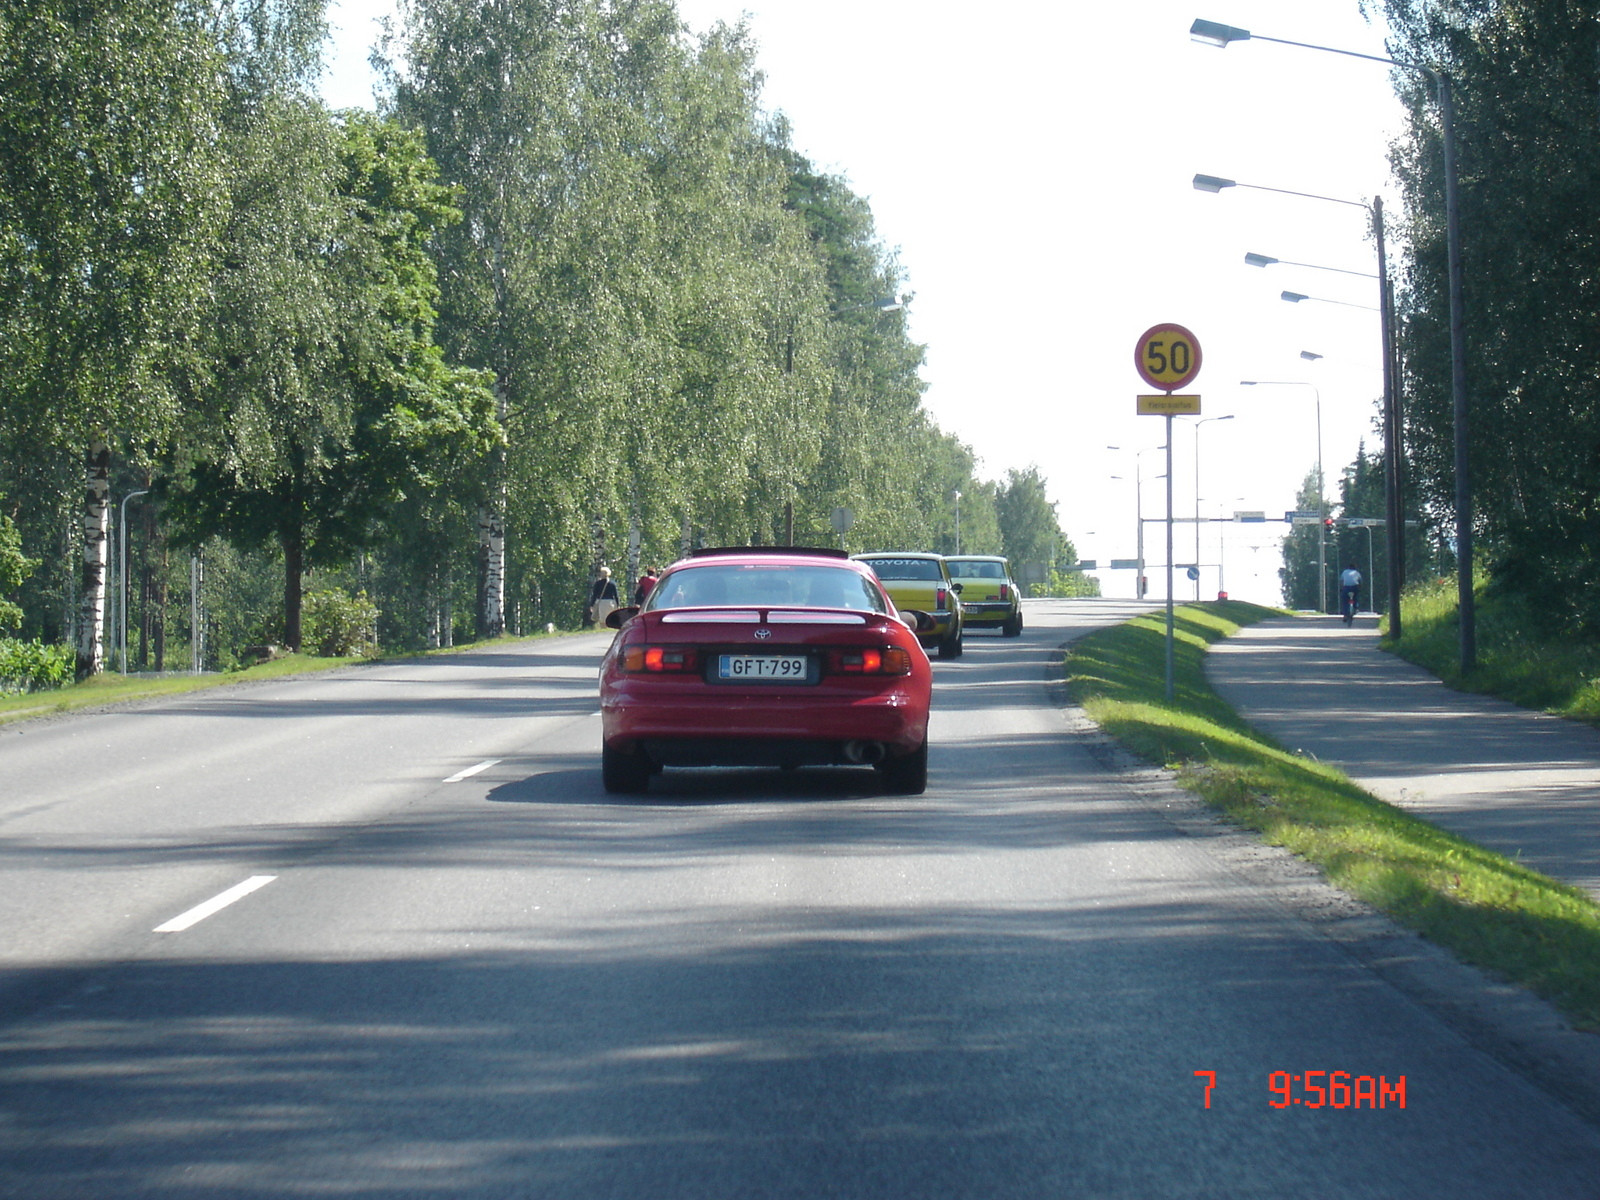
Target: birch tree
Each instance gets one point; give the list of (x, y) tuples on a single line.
[(333, 389), (110, 201), (1526, 74)]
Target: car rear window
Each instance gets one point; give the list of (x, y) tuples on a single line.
[(905, 568), (976, 570), (766, 584)]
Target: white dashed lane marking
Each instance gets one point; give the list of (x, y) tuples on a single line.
[(473, 770), (214, 905)]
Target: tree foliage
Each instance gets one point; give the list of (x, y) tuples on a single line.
[(110, 191), (1029, 528), (14, 568), (336, 399), (571, 299), (1525, 87)]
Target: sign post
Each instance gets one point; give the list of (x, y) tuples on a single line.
[(1167, 358)]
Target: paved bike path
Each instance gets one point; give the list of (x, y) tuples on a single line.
[(1519, 782)]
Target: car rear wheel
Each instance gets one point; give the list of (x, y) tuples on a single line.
[(907, 775), (952, 646), (623, 773), (1013, 626)]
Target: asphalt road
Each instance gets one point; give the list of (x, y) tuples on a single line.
[(465, 971)]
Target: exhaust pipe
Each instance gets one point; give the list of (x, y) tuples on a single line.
[(857, 751)]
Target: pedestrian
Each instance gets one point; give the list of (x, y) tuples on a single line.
[(647, 583), (1349, 592), (602, 599)]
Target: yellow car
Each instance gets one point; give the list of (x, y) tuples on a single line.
[(990, 597), (920, 582)]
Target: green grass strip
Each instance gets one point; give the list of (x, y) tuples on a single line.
[(1516, 660), (113, 688), (1491, 912)]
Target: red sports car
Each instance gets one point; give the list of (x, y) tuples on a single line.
[(758, 656)]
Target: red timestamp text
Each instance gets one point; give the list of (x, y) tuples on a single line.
[(1335, 1089)]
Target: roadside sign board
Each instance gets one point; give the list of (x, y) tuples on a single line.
[(1167, 357), (1086, 564), (1311, 519), (1249, 516), (1168, 405), (1124, 564), (1293, 516)]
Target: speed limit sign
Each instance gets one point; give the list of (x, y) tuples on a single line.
[(1167, 357)]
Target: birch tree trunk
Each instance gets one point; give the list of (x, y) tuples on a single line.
[(492, 555), (156, 598), (432, 604), (96, 527), (492, 534)]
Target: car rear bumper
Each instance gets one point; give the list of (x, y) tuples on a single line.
[(765, 752), (944, 625), (743, 727), (984, 613)]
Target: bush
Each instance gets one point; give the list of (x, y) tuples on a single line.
[(34, 666), (335, 624)]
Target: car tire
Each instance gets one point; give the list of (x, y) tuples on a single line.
[(906, 775), (952, 647), (1013, 626), (622, 773)]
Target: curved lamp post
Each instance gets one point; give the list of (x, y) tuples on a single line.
[(1322, 499), (1216, 34), (1392, 434), (1197, 425), (1296, 297), (1138, 514), (1252, 259)]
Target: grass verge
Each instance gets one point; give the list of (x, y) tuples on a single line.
[(1489, 911), (112, 688), (1514, 662)]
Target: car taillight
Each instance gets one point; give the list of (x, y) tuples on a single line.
[(658, 660), (891, 660), (940, 597), (1005, 591)]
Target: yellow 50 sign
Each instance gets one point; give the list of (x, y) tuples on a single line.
[(1167, 357)]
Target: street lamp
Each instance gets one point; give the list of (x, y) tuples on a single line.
[(1138, 515), (1197, 425), (958, 521), (1222, 546), (1296, 297), (1391, 393), (1253, 259), (886, 304), (1392, 433), (1322, 500), (1216, 34)]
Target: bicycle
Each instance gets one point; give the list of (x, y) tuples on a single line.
[(1347, 604)]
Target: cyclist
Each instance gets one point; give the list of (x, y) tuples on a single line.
[(1349, 592)]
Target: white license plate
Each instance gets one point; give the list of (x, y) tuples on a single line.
[(772, 668)]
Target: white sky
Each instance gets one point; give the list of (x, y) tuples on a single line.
[(1036, 179)]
